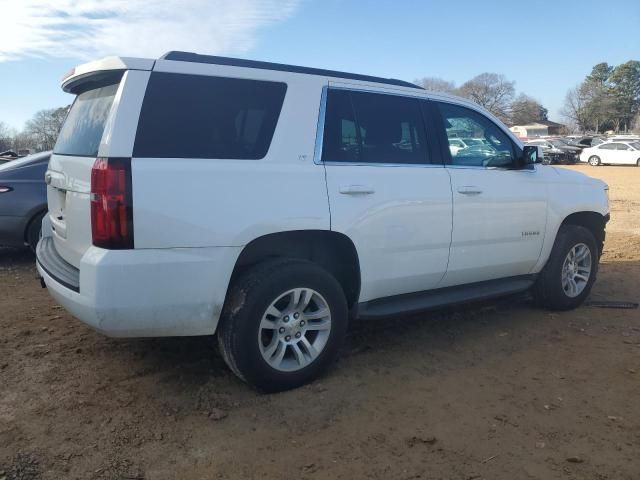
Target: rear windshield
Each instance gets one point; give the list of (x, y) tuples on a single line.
[(195, 116), (83, 128)]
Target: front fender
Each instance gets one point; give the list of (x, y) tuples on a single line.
[(569, 195)]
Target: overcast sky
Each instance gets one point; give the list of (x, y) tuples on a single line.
[(547, 47)]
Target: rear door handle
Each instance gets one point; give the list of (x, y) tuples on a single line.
[(469, 190), (357, 189)]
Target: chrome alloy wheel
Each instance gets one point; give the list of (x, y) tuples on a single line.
[(294, 329), (576, 270)]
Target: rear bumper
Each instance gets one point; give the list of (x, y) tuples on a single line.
[(57, 268), (147, 293)]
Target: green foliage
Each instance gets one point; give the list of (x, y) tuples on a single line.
[(607, 99)]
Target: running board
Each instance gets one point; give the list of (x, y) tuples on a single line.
[(441, 297)]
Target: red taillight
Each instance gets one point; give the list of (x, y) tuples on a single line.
[(111, 203)]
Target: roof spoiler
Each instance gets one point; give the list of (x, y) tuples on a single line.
[(78, 75)]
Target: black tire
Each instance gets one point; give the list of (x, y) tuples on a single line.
[(246, 303), (638, 163), (548, 290), (594, 161), (32, 235)]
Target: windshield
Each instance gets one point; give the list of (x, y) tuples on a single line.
[(83, 128)]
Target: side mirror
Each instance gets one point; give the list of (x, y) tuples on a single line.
[(532, 154)]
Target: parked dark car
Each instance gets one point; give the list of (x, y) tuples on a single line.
[(557, 151), (586, 141), (7, 156), (566, 147), (23, 200)]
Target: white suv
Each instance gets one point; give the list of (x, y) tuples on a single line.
[(269, 203)]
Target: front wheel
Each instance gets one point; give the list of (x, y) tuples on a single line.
[(283, 324), (594, 161), (638, 163), (568, 276)]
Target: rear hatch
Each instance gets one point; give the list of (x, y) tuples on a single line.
[(69, 175)]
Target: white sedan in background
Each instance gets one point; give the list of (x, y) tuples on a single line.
[(614, 153)]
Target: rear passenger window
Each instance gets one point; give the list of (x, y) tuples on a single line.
[(373, 128), (194, 116)]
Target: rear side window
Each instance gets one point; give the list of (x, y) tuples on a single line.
[(194, 116), (82, 130), (373, 128)]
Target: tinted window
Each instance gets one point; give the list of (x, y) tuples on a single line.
[(487, 144), (341, 142), (608, 146), (193, 116), (373, 128), (83, 128)]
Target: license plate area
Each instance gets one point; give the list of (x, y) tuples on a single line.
[(57, 206)]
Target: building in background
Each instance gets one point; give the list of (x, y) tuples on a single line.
[(540, 128)]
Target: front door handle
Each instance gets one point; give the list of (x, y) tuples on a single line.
[(469, 190), (357, 189)]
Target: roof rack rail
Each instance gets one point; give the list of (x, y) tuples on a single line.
[(238, 62)]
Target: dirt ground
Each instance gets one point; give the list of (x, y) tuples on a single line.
[(493, 391)]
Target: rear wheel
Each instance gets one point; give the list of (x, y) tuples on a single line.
[(33, 231), (283, 324), (568, 276), (594, 160), (638, 163)]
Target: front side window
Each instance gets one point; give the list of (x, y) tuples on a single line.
[(373, 128), (487, 144), (196, 116)]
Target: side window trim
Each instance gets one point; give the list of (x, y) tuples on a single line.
[(357, 127), (322, 113), (430, 137), (436, 133)]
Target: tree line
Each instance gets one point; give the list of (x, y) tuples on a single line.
[(607, 99), (494, 92), (39, 134)]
